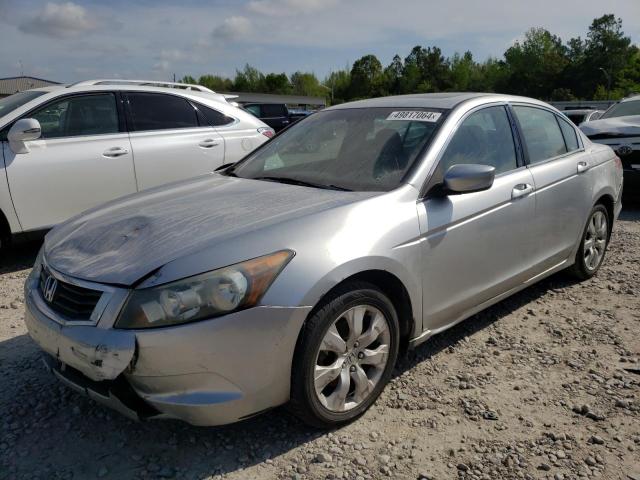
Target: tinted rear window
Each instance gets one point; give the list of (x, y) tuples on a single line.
[(155, 111), (211, 116), (273, 110)]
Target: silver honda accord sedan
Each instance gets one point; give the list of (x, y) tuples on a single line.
[(300, 273)]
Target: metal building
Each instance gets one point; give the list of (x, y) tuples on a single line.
[(11, 85)]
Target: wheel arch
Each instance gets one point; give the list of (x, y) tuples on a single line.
[(389, 284), (606, 200)]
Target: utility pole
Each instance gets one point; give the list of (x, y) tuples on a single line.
[(608, 75)]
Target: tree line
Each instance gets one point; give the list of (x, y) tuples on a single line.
[(605, 64)]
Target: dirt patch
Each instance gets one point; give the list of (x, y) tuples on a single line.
[(543, 385)]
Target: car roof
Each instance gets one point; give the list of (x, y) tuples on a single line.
[(81, 87), (431, 100), (630, 99), (446, 100)]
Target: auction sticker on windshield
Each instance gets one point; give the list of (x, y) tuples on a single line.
[(414, 115)]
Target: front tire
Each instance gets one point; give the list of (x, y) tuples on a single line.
[(593, 246), (345, 356)]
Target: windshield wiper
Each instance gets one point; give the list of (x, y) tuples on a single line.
[(302, 183)]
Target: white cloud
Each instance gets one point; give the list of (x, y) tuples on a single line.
[(233, 28), (289, 7), (59, 20), (161, 66)]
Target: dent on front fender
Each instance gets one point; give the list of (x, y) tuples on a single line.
[(104, 355)]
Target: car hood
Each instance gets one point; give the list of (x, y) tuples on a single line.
[(125, 240), (622, 126)]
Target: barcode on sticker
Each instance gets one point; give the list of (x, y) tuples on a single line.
[(414, 115)]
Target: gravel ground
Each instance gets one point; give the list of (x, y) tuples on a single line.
[(543, 385)]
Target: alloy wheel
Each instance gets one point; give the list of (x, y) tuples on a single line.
[(595, 240), (352, 358)]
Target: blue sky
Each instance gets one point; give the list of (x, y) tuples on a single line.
[(73, 40)]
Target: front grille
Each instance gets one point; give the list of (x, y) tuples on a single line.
[(71, 301), (632, 159)]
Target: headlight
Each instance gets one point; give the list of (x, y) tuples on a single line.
[(37, 266), (203, 296)]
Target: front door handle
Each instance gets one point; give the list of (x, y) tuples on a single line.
[(115, 152), (583, 167), (208, 143), (521, 190)]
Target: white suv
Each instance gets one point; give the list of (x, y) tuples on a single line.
[(68, 148)]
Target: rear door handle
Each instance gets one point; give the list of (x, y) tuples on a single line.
[(115, 152), (521, 190), (583, 167), (208, 143)]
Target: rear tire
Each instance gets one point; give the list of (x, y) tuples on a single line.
[(345, 356), (593, 246)]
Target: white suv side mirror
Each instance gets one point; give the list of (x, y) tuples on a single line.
[(22, 131)]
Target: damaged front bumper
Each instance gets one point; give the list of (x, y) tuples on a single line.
[(210, 372)]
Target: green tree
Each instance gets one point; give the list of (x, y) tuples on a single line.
[(366, 77), (393, 75), (216, 83), (536, 65), (606, 48), (340, 82), (250, 79), (464, 71), (277, 83), (307, 84)]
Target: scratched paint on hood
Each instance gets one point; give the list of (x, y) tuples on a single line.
[(124, 240), (624, 126)]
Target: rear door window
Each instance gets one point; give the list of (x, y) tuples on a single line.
[(569, 134), (273, 110), (253, 110), (211, 116), (542, 134), (157, 111)]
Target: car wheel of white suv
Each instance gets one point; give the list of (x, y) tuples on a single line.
[(345, 356)]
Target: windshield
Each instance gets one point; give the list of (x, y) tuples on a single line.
[(10, 103), (623, 109), (348, 149)]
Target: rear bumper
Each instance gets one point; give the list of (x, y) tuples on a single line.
[(212, 372)]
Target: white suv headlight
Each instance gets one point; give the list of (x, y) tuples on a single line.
[(203, 296)]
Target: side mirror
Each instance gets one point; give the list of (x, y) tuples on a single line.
[(24, 130), (468, 178)]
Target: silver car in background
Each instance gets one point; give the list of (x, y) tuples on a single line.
[(299, 274)]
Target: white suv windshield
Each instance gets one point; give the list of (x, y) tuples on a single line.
[(623, 109), (368, 149), (10, 103)]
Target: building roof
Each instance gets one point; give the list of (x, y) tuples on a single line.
[(11, 85)]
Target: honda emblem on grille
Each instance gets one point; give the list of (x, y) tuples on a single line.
[(49, 290)]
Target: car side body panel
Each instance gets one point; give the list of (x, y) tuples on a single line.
[(6, 202)]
